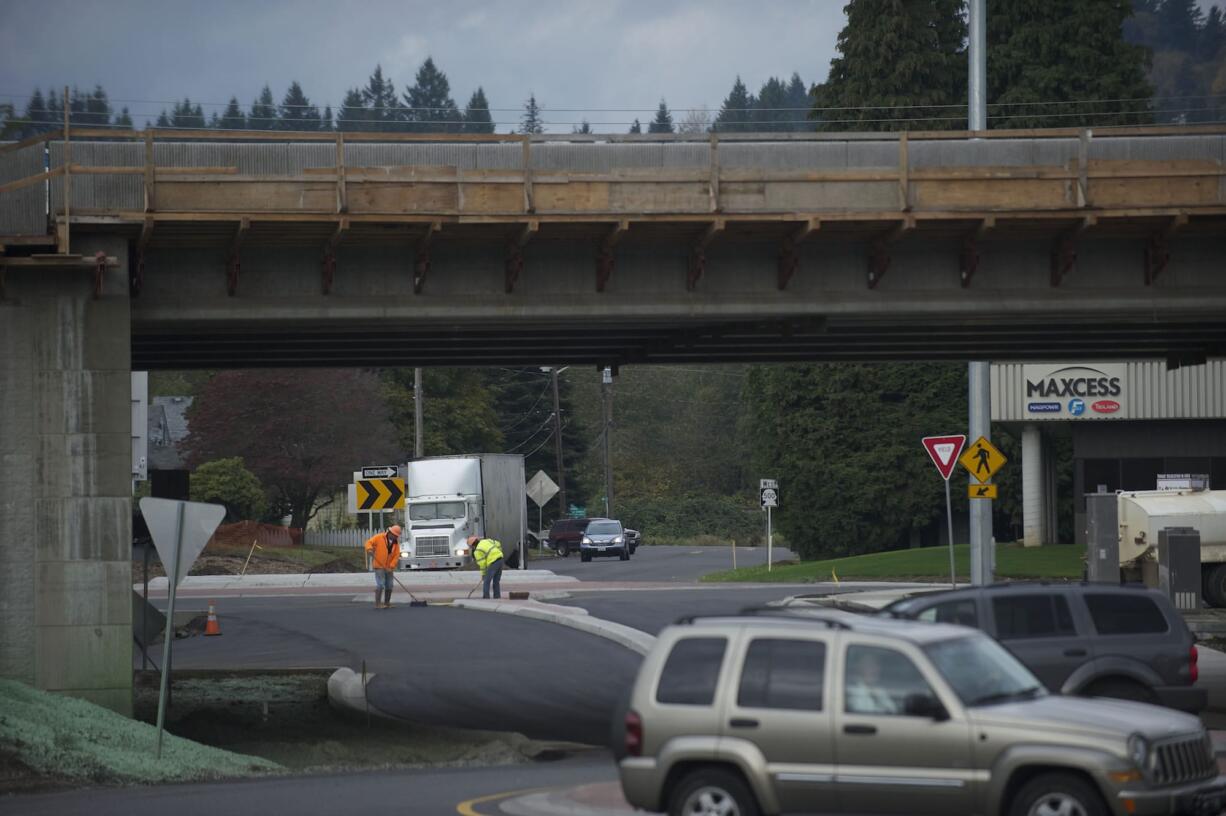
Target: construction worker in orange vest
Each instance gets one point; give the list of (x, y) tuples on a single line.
[(383, 553)]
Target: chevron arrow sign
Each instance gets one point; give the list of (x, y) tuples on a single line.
[(380, 494)]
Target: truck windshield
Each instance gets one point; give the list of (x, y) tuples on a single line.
[(981, 672), (436, 510)]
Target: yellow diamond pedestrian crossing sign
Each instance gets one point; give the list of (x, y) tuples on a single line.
[(380, 494), (982, 459)]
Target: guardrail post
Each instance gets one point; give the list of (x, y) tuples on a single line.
[(342, 195), (529, 204), (713, 183), (904, 172), (64, 250)]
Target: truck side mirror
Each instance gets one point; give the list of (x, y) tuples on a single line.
[(925, 705)]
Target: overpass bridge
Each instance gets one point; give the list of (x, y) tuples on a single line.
[(190, 249)]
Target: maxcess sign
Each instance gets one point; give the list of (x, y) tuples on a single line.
[(1076, 392)]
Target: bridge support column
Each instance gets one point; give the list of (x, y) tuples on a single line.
[(1034, 493), (65, 480)]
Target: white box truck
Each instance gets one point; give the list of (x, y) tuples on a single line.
[(449, 498), (1143, 513)]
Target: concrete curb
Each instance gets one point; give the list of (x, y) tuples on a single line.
[(354, 580), (574, 617)]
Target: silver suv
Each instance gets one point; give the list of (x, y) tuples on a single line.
[(832, 712)]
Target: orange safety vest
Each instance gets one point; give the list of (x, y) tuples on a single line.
[(383, 558)]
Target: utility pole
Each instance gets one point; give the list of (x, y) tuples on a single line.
[(979, 393), (418, 441), (557, 444), (606, 392)]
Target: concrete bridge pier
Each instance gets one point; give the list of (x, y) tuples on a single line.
[(65, 479)]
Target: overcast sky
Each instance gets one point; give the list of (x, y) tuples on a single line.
[(570, 53)]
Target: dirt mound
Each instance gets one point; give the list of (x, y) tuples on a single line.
[(244, 533), (337, 565)]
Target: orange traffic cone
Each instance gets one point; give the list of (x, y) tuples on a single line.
[(212, 627)]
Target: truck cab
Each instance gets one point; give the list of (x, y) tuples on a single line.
[(437, 531)]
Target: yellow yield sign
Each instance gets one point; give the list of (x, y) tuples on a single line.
[(380, 494), (982, 459), (981, 491)]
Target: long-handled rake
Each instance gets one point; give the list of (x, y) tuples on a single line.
[(415, 601)]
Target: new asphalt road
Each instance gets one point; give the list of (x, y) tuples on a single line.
[(381, 793)]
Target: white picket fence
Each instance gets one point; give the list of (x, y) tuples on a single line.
[(335, 538)]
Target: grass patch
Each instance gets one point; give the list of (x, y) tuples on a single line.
[(66, 741), (924, 564), (221, 559)]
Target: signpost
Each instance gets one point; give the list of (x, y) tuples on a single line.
[(768, 495), (540, 489), (180, 530), (944, 452)]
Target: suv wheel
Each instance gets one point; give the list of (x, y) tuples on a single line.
[(1215, 586), (585, 557), (712, 792), (1057, 794), (563, 550)]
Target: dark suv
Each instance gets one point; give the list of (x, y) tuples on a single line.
[(1088, 639), (565, 535)]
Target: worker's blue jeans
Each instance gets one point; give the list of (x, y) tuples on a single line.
[(493, 575)]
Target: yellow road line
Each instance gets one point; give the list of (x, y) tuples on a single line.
[(466, 808)]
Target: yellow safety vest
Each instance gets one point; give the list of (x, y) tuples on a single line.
[(487, 552)]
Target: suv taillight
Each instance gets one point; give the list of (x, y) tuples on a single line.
[(1193, 659), (634, 734)]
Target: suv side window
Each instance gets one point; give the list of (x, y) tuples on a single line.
[(879, 681), (961, 611), (783, 673), (691, 672), (1115, 613), (1029, 616)]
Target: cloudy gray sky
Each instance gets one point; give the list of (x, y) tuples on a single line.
[(592, 54), (570, 53)]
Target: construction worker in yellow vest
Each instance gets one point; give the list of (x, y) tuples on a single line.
[(488, 554)]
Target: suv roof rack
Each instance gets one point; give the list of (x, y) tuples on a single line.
[(782, 612)]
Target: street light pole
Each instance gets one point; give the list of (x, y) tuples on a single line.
[(557, 444), (418, 440), (606, 391)]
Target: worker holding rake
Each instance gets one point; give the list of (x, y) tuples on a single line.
[(384, 551)]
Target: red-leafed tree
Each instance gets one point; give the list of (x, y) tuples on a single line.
[(302, 432)]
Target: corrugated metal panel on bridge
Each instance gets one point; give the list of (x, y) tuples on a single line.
[(1190, 392), (24, 211)]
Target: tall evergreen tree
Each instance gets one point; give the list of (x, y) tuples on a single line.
[(187, 115), (55, 109), (735, 114), (636, 127), (124, 119), (1061, 52), (353, 115), (325, 121), (1179, 23), (798, 104), (900, 65), (97, 108), (37, 118), (663, 123), (380, 98), (263, 114), (430, 106), (232, 118), (477, 114), (297, 112), (583, 128), (531, 122), (1212, 38), (770, 108), (163, 121)]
